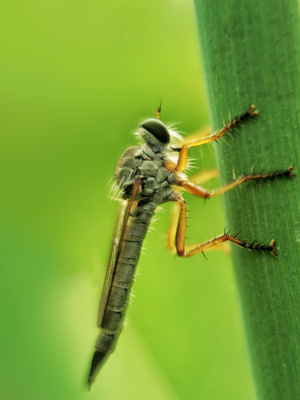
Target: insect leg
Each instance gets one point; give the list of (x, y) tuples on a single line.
[(173, 228), (188, 251), (199, 191), (203, 176), (182, 159), (198, 178)]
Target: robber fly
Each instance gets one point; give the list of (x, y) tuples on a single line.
[(146, 176)]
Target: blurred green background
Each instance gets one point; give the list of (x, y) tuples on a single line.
[(76, 79)]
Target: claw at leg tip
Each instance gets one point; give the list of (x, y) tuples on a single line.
[(272, 243)]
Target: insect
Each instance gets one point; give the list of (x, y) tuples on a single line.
[(146, 176)]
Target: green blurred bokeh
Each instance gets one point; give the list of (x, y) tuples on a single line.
[(76, 80)]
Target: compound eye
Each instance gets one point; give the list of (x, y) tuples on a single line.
[(157, 129)]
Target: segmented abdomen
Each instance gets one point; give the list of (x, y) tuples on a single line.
[(128, 257)]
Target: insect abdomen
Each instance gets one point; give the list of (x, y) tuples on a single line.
[(128, 257)]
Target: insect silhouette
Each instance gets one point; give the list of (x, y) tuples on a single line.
[(147, 176)]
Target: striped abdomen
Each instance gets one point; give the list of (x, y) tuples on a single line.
[(123, 276)]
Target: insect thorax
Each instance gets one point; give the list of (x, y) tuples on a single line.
[(142, 162)]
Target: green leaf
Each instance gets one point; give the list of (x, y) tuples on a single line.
[(250, 54)]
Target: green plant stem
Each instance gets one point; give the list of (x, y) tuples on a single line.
[(250, 54)]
